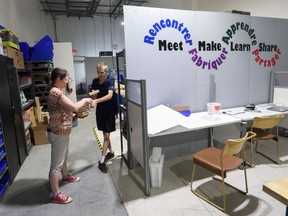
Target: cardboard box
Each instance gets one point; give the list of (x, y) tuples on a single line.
[(1, 47), (28, 138), (16, 55), (9, 39), (40, 136)]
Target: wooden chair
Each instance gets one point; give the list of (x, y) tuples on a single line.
[(219, 162), (262, 126)]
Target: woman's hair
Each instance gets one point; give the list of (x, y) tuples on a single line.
[(55, 73)]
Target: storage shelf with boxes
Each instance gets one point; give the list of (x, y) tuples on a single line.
[(9, 38), (10, 43)]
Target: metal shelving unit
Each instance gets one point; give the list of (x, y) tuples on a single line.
[(121, 75), (25, 85), (40, 87)]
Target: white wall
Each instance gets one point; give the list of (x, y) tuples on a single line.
[(25, 18), (90, 36), (263, 8), (63, 58), (80, 77)]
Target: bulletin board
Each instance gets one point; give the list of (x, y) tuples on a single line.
[(193, 57)]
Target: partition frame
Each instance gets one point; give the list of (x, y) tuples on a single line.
[(137, 107), (273, 84)]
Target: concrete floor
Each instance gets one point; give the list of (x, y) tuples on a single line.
[(95, 194), (120, 191)]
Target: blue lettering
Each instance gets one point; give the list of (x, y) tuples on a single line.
[(149, 40), (167, 23)]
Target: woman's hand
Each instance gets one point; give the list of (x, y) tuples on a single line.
[(87, 100)]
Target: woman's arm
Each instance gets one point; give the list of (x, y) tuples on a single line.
[(70, 105)]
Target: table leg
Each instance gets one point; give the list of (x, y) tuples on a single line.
[(244, 129)]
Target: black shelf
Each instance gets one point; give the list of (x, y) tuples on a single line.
[(24, 71), (12, 132), (29, 95), (27, 104), (4, 169), (124, 132), (22, 87), (25, 85), (3, 172), (2, 156), (4, 184), (39, 85)]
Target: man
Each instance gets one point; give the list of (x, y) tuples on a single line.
[(106, 107)]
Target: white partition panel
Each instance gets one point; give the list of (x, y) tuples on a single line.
[(137, 117), (135, 123), (192, 57)]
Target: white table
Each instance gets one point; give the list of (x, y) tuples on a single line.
[(248, 115), (196, 121), (201, 120), (163, 121), (245, 115)]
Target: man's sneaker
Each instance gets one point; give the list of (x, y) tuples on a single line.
[(109, 156), (61, 199), (70, 179), (103, 167)]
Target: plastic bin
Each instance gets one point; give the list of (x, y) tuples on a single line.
[(4, 182), (156, 172), (3, 165), (43, 50), (25, 49), (2, 151)]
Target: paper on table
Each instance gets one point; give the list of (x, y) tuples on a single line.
[(161, 118), (200, 120)]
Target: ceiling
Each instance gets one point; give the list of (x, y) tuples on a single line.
[(87, 8)]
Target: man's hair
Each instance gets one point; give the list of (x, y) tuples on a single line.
[(102, 65)]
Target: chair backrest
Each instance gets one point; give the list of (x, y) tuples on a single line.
[(234, 146), (266, 122)]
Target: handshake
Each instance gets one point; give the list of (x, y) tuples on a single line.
[(84, 111), (93, 96)]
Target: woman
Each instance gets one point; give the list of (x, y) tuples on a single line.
[(61, 110)]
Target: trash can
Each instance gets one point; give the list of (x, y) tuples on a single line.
[(156, 167)]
